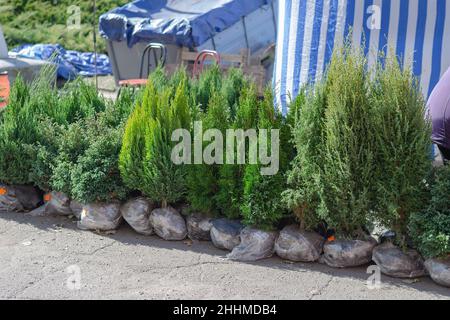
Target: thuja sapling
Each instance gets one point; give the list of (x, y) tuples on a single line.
[(158, 79), (95, 176), (132, 154), (347, 155), (164, 181), (72, 143), (202, 179), (232, 84), (77, 102), (17, 133), (261, 206), (209, 81), (402, 143), (229, 197), (306, 114)]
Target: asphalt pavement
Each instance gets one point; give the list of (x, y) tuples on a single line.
[(49, 258)]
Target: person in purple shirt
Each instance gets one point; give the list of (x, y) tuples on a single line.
[(439, 107)]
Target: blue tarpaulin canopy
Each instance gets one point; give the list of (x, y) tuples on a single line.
[(184, 22), (416, 31)]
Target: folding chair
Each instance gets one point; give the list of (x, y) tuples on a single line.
[(160, 61)]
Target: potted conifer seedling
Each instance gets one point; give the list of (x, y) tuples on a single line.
[(145, 159), (403, 165), (263, 183), (300, 242), (347, 161)]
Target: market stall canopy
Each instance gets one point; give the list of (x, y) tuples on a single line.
[(184, 22), (417, 31)]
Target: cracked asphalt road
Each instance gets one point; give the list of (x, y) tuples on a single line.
[(36, 252)]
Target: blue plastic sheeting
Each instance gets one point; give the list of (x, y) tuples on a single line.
[(70, 63), (184, 22), (417, 32)]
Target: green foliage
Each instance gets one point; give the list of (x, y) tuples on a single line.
[(132, 154), (261, 205), (95, 176), (19, 130), (179, 76), (362, 148), (132, 151), (44, 131), (55, 111), (247, 114), (232, 84), (306, 116), (86, 164), (117, 113), (292, 118), (430, 228), (72, 143), (145, 158), (77, 100), (231, 188), (202, 179), (46, 151), (209, 81), (17, 133), (45, 21), (353, 148), (33, 121), (347, 152), (159, 79), (165, 181), (402, 143)]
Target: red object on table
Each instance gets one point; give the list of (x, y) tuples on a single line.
[(4, 89)]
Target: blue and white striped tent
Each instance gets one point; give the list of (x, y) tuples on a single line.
[(418, 31)]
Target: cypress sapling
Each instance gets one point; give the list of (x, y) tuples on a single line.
[(164, 181), (232, 85), (402, 144), (261, 206), (231, 189), (202, 179), (95, 176), (348, 155), (132, 153), (306, 114), (210, 80)]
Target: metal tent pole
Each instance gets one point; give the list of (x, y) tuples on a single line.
[(95, 43)]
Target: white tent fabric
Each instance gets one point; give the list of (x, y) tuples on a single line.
[(417, 31)]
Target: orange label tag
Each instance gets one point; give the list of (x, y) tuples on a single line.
[(3, 191), (331, 238), (47, 197)]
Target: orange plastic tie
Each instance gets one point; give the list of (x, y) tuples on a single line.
[(47, 197), (3, 191), (331, 238)]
